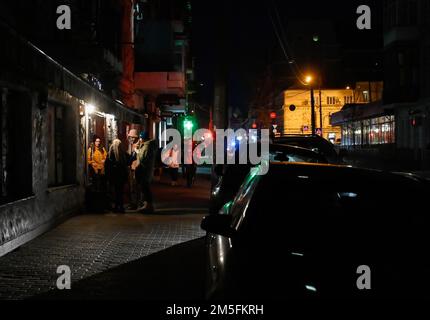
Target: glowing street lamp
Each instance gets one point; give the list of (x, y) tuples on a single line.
[(308, 79)]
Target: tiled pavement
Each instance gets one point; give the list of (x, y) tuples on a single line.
[(92, 244)]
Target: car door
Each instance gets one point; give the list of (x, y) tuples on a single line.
[(219, 247)]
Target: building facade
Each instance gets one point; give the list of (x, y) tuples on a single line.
[(164, 66), (398, 128), (48, 117), (296, 117)]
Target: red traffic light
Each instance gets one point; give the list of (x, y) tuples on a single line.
[(272, 115), (254, 126), (416, 121)]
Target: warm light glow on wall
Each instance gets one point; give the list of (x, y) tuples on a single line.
[(90, 108)]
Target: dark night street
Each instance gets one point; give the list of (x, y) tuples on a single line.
[(127, 256), (189, 152)]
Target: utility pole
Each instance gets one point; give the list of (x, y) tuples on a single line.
[(321, 114), (313, 111)]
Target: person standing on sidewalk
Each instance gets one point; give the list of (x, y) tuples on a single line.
[(116, 172), (135, 192), (96, 158), (146, 152)]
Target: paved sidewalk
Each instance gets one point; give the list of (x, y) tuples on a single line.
[(92, 244), (174, 274)]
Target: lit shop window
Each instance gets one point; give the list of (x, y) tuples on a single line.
[(374, 131)]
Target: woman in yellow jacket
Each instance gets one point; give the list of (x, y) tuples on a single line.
[(96, 161)]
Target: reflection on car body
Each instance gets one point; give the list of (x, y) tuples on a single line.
[(302, 230), (312, 142), (228, 178)]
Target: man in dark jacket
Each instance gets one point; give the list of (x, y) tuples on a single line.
[(146, 153)]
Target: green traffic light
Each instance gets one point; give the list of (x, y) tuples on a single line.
[(188, 125)]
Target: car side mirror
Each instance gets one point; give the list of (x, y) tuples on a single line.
[(219, 224), (219, 170)]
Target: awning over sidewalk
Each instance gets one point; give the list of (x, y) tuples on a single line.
[(353, 112)]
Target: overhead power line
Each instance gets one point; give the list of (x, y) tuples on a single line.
[(285, 41), (297, 73)]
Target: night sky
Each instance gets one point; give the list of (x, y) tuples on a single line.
[(253, 44)]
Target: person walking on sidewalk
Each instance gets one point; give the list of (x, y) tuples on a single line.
[(171, 159), (116, 172), (190, 166), (146, 152)]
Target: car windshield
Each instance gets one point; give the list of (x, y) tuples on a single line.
[(279, 156), (289, 153), (320, 146)]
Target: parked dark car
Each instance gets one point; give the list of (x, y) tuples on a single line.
[(303, 230), (227, 179), (315, 143)]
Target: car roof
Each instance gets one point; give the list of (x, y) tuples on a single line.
[(300, 151), (335, 172), (314, 139), (300, 136)]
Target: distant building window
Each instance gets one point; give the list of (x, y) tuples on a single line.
[(348, 99), (366, 96), (332, 100)]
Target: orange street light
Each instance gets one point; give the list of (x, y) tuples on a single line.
[(308, 79)]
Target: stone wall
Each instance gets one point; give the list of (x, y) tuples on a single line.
[(23, 219)]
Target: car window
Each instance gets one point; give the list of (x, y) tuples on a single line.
[(320, 146), (279, 156)]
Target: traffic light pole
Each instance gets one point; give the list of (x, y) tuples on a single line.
[(313, 111), (321, 114)]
